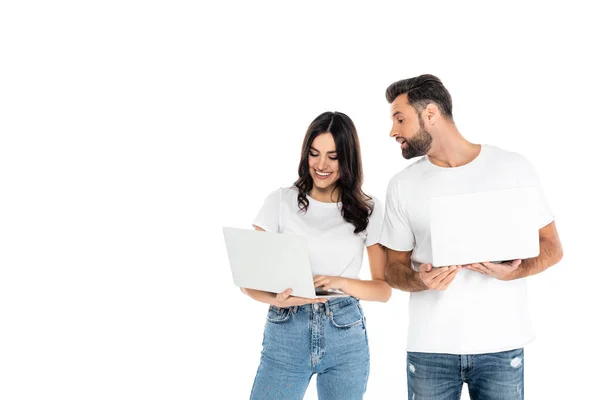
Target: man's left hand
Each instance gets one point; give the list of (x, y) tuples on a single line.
[(502, 271)]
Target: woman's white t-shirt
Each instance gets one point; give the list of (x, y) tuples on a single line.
[(333, 247)]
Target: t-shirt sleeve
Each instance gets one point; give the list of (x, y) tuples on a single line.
[(396, 232), (528, 177), (268, 216), (375, 223)]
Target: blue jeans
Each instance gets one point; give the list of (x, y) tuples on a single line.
[(327, 339), (492, 376)]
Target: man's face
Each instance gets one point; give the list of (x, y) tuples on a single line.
[(408, 129)]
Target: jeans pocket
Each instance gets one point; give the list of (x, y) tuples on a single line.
[(347, 316), (278, 315)]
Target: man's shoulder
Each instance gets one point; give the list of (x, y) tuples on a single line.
[(410, 172), (504, 155)]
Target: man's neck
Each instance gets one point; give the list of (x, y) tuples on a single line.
[(451, 150)]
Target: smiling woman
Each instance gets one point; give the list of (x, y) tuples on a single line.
[(331, 168), (327, 206), (323, 165)]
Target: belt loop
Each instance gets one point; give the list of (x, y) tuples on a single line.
[(327, 309), (294, 309)]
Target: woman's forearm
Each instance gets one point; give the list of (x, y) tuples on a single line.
[(372, 290), (259, 295)]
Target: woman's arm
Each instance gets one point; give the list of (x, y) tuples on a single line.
[(261, 296), (281, 300), (375, 289)]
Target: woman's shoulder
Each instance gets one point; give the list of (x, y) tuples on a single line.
[(288, 191), (374, 203), (284, 194)]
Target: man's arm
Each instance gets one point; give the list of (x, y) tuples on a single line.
[(399, 274), (550, 253)]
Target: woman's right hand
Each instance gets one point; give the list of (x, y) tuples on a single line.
[(284, 299)]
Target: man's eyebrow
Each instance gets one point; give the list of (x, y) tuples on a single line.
[(329, 152), (396, 113)]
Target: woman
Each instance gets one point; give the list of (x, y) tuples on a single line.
[(326, 337)]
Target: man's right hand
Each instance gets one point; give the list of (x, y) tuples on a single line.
[(284, 299), (438, 278)]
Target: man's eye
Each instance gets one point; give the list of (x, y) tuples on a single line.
[(400, 121)]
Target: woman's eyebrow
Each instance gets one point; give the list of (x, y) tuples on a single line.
[(329, 152)]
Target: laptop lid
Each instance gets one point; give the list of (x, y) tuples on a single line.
[(270, 261), (498, 225)]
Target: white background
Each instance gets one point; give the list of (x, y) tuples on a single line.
[(131, 132)]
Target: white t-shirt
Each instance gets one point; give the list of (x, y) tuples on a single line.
[(333, 247), (476, 313)]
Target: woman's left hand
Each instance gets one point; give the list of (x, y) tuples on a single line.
[(330, 282)]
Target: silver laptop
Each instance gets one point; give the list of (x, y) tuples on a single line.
[(271, 262), (495, 226)]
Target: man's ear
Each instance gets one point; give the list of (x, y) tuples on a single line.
[(431, 114)]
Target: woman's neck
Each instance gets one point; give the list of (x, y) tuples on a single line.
[(327, 195)]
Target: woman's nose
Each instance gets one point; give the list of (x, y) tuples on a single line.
[(322, 164)]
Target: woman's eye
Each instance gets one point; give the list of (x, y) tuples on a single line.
[(333, 158)]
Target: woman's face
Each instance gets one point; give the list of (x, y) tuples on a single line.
[(322, 162)]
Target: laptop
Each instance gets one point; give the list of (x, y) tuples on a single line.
[(494, 226), (272, 262)]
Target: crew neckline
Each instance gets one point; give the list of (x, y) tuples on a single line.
[(322, 203), (465, 166)]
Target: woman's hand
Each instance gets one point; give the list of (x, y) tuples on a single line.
[(284, 299), (330, 282)]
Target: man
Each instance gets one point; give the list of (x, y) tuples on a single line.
[(468, 323)]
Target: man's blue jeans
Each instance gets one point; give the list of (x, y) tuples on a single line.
[(492, 376), (329, 340)]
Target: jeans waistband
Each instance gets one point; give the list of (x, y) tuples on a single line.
[(330, 305)]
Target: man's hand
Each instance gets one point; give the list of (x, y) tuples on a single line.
[(330, 282), (502, 271), (438, 278), (283, 300)]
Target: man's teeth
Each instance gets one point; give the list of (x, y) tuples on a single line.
[(323, 173)]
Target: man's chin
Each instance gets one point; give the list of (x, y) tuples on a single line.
[(408, 154)]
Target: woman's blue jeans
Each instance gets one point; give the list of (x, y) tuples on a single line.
[(328, 339)]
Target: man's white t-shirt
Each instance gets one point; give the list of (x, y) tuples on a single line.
[(333, 247), (476, 313)]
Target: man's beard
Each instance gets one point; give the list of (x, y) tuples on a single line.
[(419, 144)]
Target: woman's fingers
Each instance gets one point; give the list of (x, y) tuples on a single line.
[(322, 281), (283, 296)]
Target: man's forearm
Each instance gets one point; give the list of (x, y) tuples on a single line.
[(403, 277), (550, 254)]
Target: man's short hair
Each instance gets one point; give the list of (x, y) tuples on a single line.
[(421, 91)]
